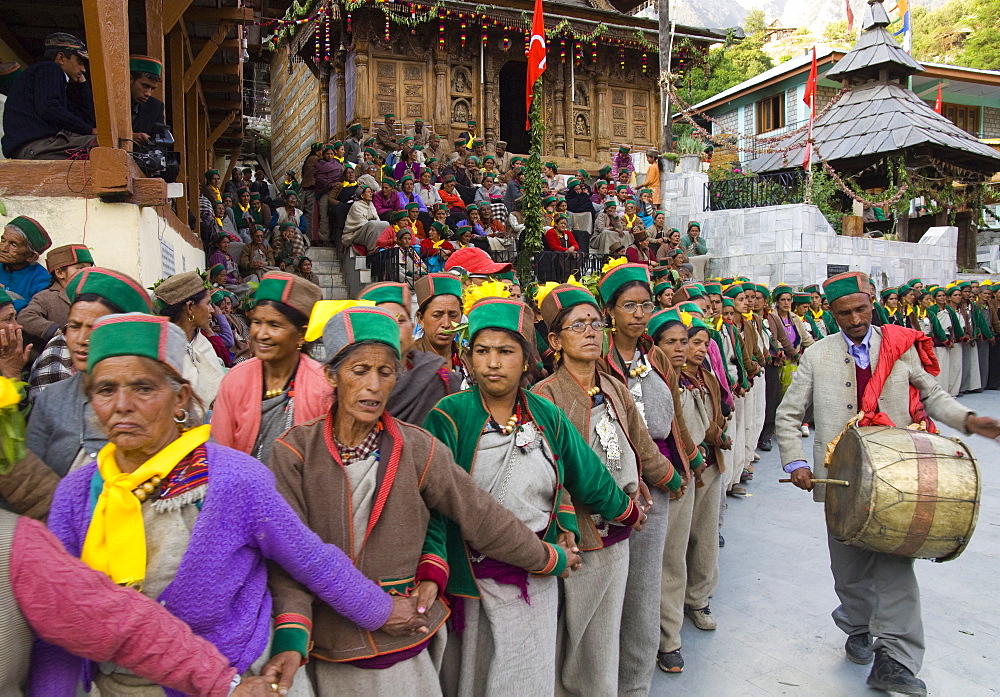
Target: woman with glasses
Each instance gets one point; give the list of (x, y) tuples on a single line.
[(603, 412), (634, 360)]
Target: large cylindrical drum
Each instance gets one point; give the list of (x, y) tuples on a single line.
[(911, 493)]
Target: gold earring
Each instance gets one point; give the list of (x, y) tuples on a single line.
[(524, 369), (190, 317), (557, 356), (613, 327)]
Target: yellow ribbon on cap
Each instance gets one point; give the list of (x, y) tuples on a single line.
[(324, 310)]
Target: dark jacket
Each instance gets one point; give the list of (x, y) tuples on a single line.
[(37, 107), (146, 114)]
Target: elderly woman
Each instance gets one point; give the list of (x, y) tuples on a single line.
[(603, 412), (526, 453), (426, 377), (372, 485), (187, 522), (637, 362), (436, 249), (184, 299), (363, 225), (691, 243), (949, 353), (61, 427), (281, 385), (691, 555)]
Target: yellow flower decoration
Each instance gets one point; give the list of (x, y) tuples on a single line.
[(573, 282), (543, 291), (490, 289), (613, 263), (12, 425), (686, 317), (9, 394), (324, 310)]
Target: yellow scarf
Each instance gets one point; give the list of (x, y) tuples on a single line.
[(816, 313), (437, 245), (630, 223), (219, 221), (339, 159), (116, 539), (717, 321), (245, 210), (748, 316), (919, 311)]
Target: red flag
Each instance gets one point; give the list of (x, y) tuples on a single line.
[(850, 17), (536, 55), (937, 104), (810, 99)]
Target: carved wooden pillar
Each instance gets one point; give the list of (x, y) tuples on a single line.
[(441, 116), (567, 115), (602, 117), (362, 93), (491, 120), (327, 120), (558, 94)]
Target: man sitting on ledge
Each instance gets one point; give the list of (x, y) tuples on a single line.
[(38, 122)]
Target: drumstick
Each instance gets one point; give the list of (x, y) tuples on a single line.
[(838, 482)]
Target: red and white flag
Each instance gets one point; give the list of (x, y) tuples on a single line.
[(536, 55), (937, 104), (810, 99), (850, 16)]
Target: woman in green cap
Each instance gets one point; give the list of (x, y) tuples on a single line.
[(949, 354), (526, 452), (890, 301), (439, 311), (281, 385), (379, 489), (592, 621), (692, 243), (435, 248)]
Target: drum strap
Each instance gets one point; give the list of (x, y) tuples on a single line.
[(895, 342)]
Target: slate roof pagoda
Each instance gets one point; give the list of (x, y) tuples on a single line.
[(879, 116)]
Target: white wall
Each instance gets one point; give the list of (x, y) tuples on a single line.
[(123, 236)]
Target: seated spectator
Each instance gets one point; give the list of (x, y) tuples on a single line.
[(147, 110), (210, 189), (303, 269), (657, 232), (646, 209), (222, 222), (290, 182), (386, 201), (672, 242), (242, 214), (435, 249), (631, 220), (23, 240), (622, 166), (449, 196), (512, 197), (48, 310), (600, 195), (609, 231), (38, 120), (222, 257), (260, 212), (558, 238), (363, 225), (257, 257), (413, 214), (638, 251), (473, 171), (290, 245), (426, 190), (623, 193), (289, 213), (235, 183), (691, 243), (488, 190), (551, 178), (463, 237)]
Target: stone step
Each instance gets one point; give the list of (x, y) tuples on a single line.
[(322, 254)]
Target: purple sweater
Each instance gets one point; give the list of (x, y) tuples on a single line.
[(220, 589)]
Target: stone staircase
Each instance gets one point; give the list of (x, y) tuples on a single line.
[(326, 265)]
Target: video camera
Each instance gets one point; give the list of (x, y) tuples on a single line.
[(157, 158)]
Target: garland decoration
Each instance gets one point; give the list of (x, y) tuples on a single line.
[(533, 186)]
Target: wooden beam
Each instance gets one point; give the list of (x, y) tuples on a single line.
[(177, 96), (172, 13), (213, 15), (205, 55), (195, 165), (216, 69), (106, 22), (154, 29), (14, 44), (234, 154), (223, 105), (198, 42), (221, 128)]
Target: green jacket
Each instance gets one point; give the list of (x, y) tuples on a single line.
[(981, 321), (578, 470)]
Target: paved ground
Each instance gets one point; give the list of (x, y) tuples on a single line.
[(773, 605)]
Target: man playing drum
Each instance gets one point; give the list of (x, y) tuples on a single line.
[(878, 592)]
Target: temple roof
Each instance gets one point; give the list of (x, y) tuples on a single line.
[(876, 50)]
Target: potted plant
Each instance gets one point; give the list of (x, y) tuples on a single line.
[(670, 161), (690, 149)]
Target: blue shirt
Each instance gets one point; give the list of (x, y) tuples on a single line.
[(25, 282)]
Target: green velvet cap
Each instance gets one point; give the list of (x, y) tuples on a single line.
[(800, 298), (38, 238), (848, 283), (660, 271), (886, 292), (396, 216), (211, 173), (434, 284), (914, 281), (137, 334), (610, 204), (501, 313), (412, 206), (734, 290), (506, 276), (604, 170), (661, 286), (814, 288), (694, 223), (562, 297), (713, 288), (690, 307), (145, 64), (117, 288), (380, 293), (620, 275), (960, 284), (762, 289), (748, 285), (5, 298), (573, 182), (728, 302), (215, 270), (357, 324), (658, 319), (780, 290)]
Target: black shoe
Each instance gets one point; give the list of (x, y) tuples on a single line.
[(722, 540), (765, 445), (889, 675), (859, 649), (670, 661)]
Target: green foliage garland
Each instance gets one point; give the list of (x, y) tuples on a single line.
[(532, 188)]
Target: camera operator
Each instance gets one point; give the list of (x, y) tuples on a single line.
[(147, 110)]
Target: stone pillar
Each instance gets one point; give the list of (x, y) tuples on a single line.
[(558, 94), (442, 101), (602, 117), (362, 93)]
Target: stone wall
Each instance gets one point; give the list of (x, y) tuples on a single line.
[(729, 122), (991, 122), (295, 113)]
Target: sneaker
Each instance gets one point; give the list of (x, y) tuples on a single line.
[(859, 649), (702, 618), (889, 675), (737, 490), (722, 541), (670, 661), (805, 430), (765, 445)]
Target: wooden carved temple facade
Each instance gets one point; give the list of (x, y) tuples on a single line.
[(466, 64)]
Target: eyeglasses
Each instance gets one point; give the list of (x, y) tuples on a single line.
[(631, 307), (580, 327)]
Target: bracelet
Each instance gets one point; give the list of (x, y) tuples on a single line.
[(235, 682)]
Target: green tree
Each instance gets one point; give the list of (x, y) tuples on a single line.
[(982, 49), (837, 34), (938, 34), (732, 63)]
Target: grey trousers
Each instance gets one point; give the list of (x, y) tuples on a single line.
[(590, 617), (61, 146), (640, 631), (879, 594)]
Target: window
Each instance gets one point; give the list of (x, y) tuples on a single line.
[(770, 113), (965, 117)]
